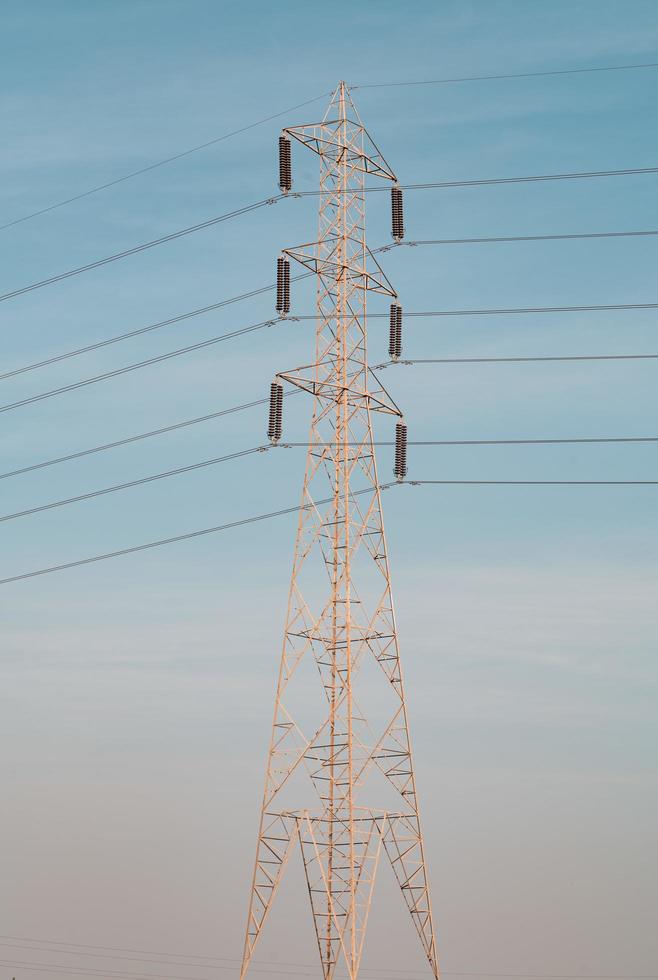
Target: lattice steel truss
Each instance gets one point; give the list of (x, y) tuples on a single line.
[(340, 611)]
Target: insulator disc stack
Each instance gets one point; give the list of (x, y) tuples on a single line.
[(400, 470), (395, 332), (397, 214), (275, 426), (282, 285), (285, 164)]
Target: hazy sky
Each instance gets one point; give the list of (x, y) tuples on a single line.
[(136, 694)]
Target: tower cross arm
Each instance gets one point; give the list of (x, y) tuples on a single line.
[(333, 264), (306, 378), (325, 139)]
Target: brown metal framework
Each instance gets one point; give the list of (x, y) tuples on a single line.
[(325, 754)]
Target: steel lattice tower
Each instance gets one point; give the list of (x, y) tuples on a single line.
[(340, 610)]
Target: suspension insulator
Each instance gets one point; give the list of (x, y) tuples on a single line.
[(397, 216), (285, 164), (282, 286), (400, 470), (392, 332), (275, 426), (395, 332), (398, 333), (286, 286), (279, 410)]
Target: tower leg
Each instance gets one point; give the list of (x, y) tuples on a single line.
[(275, 841), (403, 844)]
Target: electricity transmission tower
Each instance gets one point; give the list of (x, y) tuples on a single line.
[(330, 752)]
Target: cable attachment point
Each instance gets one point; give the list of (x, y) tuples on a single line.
[(400, 470), (395, 333), (282, 286), (285, 165), (397, 214), (275, 426)]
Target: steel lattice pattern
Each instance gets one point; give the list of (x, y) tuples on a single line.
[(322, 763)]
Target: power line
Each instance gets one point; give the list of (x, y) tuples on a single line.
[(489, 442), (257, 518), (191, 229), (486, 181), (527, 238), (272, 200), (218, 964), (521, 309), (250, 294), (191, 467), (141, 248), (137, 365), (156, 544), (406, 362), (134, 333), (523, 74), (82, 971), (159, 163), (123, 974), (203, 464), (226, 959), (151, 952), (263, 289), (127, 440), (277, 115), (130, 975), (263, 401), (43, 948), (534, 483), (137, 438)]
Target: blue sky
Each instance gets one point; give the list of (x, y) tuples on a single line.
[(134, 692)]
